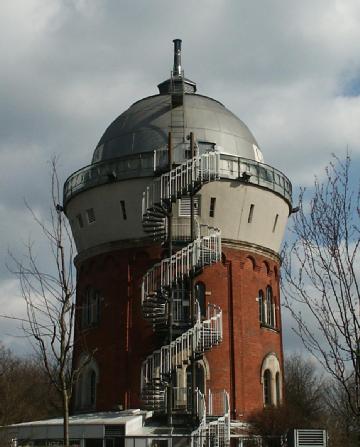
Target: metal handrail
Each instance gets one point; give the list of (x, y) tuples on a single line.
[(164, 278), (143, 164), (201, 337), (203, 251)]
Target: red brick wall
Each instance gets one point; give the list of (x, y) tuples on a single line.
[(123, 338), (235, 365)]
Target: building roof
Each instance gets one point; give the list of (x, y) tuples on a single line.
[(98, 418), (90, 425), (145, 126)]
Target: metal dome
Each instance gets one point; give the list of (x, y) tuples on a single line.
[(145, 126), (136, 145)]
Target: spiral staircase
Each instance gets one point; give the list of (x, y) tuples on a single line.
[(169, 277)]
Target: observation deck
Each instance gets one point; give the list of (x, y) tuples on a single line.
[(140, 165)]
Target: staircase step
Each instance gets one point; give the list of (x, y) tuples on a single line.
[(154, 294)]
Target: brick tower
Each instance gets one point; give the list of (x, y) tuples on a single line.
[(178, 223)]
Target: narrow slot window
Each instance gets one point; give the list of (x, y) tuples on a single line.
[(80, 220), (90, 215), (275, 223), (261, 306), (251, 213), (212, 206), (123, 209), (200, 292)]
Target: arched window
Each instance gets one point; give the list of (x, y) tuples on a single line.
[(261, 306), (86, 388), (270, 320), (266, 267), (249, 263), (277, 388), (267, 387), (271, 380), (92, 391), (200, 297)]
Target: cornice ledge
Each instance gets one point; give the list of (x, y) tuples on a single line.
[(254, 248)]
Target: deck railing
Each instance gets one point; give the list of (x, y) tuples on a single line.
[(144, 164)]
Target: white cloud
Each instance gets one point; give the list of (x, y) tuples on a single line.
[(69, 68)]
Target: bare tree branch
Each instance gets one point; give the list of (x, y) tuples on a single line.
[(321, 276), (50, 300)]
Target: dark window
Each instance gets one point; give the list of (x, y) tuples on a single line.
[(80, 220), (275, 223), (267, 387), (114, 431), (277, 385), (123, 209), (212, 206), (269, 307), (92, 388), (90, 308), (199, 378), (90, 215), (251, 212), (93, 442), (159, 443), (114, 442), (261, 306), (200, 297)]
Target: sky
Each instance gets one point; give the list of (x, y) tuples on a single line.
[(290, 70)]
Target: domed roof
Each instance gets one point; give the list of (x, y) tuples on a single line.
[(144, 127)]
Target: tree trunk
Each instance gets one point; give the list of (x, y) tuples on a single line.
[(66, 418)]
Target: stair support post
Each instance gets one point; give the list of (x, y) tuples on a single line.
[(193, 313), (170, 298)]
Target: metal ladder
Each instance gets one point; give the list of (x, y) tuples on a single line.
[(177, 113)]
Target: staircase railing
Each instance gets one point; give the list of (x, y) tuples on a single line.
[(212, 432), (162, 281), (205, 334)]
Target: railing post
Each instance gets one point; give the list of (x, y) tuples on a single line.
[(170, 314)]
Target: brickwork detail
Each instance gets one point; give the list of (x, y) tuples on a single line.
[(122, 339)]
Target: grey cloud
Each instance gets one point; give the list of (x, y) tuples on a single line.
[(69, 68)]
